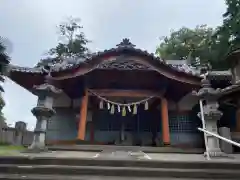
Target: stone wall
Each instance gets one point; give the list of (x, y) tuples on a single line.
[(18, 135)]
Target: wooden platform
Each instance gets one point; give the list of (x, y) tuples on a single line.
[(99, 148)]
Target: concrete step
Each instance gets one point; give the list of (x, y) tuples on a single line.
[(63, 177), (119, 171), (121, 163), (146, 149)]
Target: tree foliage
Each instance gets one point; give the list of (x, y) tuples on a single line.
[(72, 40), (193, 45), (3, 56), (229, 33), (208, 44)]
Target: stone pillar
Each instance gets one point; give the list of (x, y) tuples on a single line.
[(165, 122), (43, 112), (20, 129), (225, 146), (211, 116)]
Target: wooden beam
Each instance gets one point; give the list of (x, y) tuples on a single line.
[(125, 93)]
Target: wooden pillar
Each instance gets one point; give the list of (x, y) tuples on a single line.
[(83, 117), (238, 120), (165, 123), (237, 128)]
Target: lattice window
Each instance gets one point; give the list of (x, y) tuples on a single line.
[(182, 123)]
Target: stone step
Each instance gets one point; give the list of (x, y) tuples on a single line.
[(121, 163), (119, 171), (146, 149), (68, 177)]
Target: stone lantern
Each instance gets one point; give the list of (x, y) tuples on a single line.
[(211, 115), (43, 112)]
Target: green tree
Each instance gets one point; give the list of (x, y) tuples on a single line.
[(3, 58), (229, 33), (3, 54), (193, 45), (72, 40)]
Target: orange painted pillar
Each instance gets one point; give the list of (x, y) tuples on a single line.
[(165, 123), (83, 117)]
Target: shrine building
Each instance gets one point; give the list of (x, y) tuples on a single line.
[(121, 96)]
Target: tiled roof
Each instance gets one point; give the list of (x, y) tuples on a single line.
[(185, 68), (39, 70), (120, 65), (125, 46)]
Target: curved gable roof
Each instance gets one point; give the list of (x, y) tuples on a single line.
[(121, 57)]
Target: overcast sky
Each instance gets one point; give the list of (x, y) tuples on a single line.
[(31, 27)]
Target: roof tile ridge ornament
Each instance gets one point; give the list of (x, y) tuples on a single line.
[(125, 43)]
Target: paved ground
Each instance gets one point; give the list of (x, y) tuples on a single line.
[(125, 155), (86, 177)]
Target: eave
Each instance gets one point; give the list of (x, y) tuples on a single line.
[(153, 63), (26, 77)]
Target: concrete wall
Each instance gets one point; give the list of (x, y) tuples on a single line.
[(16, 136), (62, 126)]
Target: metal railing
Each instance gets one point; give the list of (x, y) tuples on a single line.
[(219, 137), (212, 134), (204, 127)]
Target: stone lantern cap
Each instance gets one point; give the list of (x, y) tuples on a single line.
[(207, 92), (233, 55), (43, 111), (46, 89)]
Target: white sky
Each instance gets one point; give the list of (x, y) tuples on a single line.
[(31, 27)]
